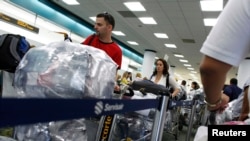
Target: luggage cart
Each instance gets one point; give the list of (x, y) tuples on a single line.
[(193, 114), (108, 127), (172, 119)]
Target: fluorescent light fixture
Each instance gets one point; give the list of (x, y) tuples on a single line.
[(179, 55), (147, 20), (211, 5), (193, 72), (156, 58), (182, 60), (210, 22), (161, 35), (134, 6), (93, 18), (71, 2), (132, 42), (170, 45), (190, 68), (177, 74), (187, 65), (118, 33)]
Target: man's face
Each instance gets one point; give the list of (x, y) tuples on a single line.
[(101, 26)]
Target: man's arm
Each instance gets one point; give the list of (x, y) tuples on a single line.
[(213, 75)]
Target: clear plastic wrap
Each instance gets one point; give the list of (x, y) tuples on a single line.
[(65, 70)]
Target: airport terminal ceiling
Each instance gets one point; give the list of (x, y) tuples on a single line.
[(181, 20)]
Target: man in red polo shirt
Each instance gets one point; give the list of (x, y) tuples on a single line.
[(104, 25)]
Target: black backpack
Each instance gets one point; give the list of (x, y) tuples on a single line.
[(12, 49)]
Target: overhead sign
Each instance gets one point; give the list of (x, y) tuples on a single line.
[(18, 23)]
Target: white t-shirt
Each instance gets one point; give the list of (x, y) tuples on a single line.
[(162, 81), (229, 40)]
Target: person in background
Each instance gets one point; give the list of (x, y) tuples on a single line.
[(124, 79), (160, 75), (138, 76), (183, 90), (102, 39), (130, 79), (195, 89), (183, 84), (227, 44), (232, 90), (244, 109), (118, 79)]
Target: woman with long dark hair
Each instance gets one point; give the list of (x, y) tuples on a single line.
[(161, 74)]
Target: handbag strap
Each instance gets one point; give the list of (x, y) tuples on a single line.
[(167, 81)]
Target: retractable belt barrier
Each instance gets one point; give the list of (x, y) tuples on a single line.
[(180, 103), (15, 111)]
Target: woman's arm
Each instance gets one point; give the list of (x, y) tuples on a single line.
[(175, 85), (213, 75)]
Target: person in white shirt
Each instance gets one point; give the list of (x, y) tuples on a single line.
[(161, 74), (195, 90), (227, 45)]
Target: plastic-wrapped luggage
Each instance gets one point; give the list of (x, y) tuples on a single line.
[(63, 70), (67, 70)]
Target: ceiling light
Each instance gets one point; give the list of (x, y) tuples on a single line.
[(177, 74), (134, 6), (161, 35), (132, 43), (147, 20), (211, 5), (119, 33), (170, 45), (181, 60), (193, 72), (179, 55), (71, 2), (190, 68), (187, 65), (210, 22), (93, 18)]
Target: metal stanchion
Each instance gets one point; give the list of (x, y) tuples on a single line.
[(191, 119), (159, 120), (107, 124)]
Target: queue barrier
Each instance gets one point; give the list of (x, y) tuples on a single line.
[(15, 111), (24, 111)]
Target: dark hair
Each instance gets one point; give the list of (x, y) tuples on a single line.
[(108, 18), (183, 82), (196, 85), (165, 67), (234, 81)]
